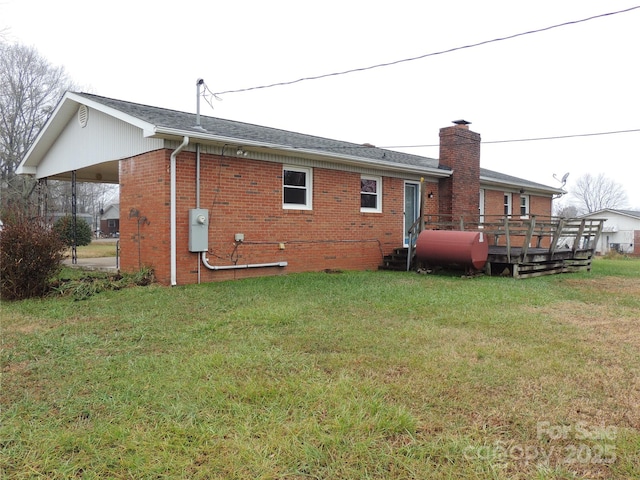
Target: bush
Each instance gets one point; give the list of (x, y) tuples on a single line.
[(30, 255), (64, 228), (614, 255)]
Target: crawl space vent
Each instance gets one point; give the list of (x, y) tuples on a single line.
[(83, 115)]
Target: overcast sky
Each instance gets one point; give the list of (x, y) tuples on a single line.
[(577, 79)]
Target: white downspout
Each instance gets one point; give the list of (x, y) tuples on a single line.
[(198, 183), (173, 219)]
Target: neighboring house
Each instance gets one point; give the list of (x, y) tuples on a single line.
[(55, 216), (110, 220), (621, 231), (211, 199)]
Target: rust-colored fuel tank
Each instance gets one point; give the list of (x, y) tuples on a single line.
[(449, 247)]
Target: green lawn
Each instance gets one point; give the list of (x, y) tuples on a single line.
[(325, 376), (97, 248)]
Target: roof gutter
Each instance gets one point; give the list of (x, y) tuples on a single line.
[(308, 152), (173, 217), (488, 181)]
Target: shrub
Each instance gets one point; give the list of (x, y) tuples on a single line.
[(30, 255), (614, 255), (64, 228)]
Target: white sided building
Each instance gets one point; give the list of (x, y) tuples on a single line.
[(621, 231)]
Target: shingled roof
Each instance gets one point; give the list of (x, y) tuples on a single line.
[(501, 178), (186, 122), (165, 123)]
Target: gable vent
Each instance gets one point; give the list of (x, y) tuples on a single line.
[(83, 116)]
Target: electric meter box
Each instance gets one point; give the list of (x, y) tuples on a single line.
[(198, 230)]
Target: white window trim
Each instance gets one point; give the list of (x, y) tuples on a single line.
[(308, 188), (509, 204), (526, 206), (481, 205), (378, 194)]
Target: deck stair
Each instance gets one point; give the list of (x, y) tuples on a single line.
[(397, 260)]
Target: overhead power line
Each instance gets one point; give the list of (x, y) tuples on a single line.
[(484, 142), (557, 137), (420, 57)]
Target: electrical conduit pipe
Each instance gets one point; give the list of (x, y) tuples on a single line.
[(173, 219), (206, 263)]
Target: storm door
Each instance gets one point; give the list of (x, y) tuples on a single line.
[(411, 207)]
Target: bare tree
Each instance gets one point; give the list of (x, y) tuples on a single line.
[(30, 87), (91, 198), (597, 193), (566, 211)]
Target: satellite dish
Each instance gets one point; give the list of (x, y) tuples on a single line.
[(564, 178)]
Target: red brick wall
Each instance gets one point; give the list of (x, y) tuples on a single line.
[(144, 189), (494, 204), (245, 196), (494, 209), (460, 151), (540, 206)]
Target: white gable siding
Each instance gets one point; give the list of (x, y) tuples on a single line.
[(111, 213), (618, 230), (103, 139)]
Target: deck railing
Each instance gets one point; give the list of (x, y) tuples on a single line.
[(533, 231)]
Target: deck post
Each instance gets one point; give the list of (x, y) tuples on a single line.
[(556, 237), (507, 237), (527, 240), (516, 270), (576, 242), (597, 237)]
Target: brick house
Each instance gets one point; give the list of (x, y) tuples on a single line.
[(110, 220), (205, 199)]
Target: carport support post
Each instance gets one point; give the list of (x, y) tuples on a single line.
[(74, 202), (42, 198)]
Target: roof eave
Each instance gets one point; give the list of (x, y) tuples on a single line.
[(57, 121), (612, 210), (489, 181), (310, 153)]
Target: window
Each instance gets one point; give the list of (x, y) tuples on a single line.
[(481, 205), (370, 194), (507, 204), (296, 188), (524, 206)]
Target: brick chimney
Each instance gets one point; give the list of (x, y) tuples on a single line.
[(460, 152)]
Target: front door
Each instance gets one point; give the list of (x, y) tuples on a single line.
[(411, 207)]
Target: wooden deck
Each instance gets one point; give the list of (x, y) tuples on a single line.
[(530, 247), (536, 261)]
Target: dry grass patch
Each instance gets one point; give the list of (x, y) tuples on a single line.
[(610, 336), (606, 385), (619, 286)]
